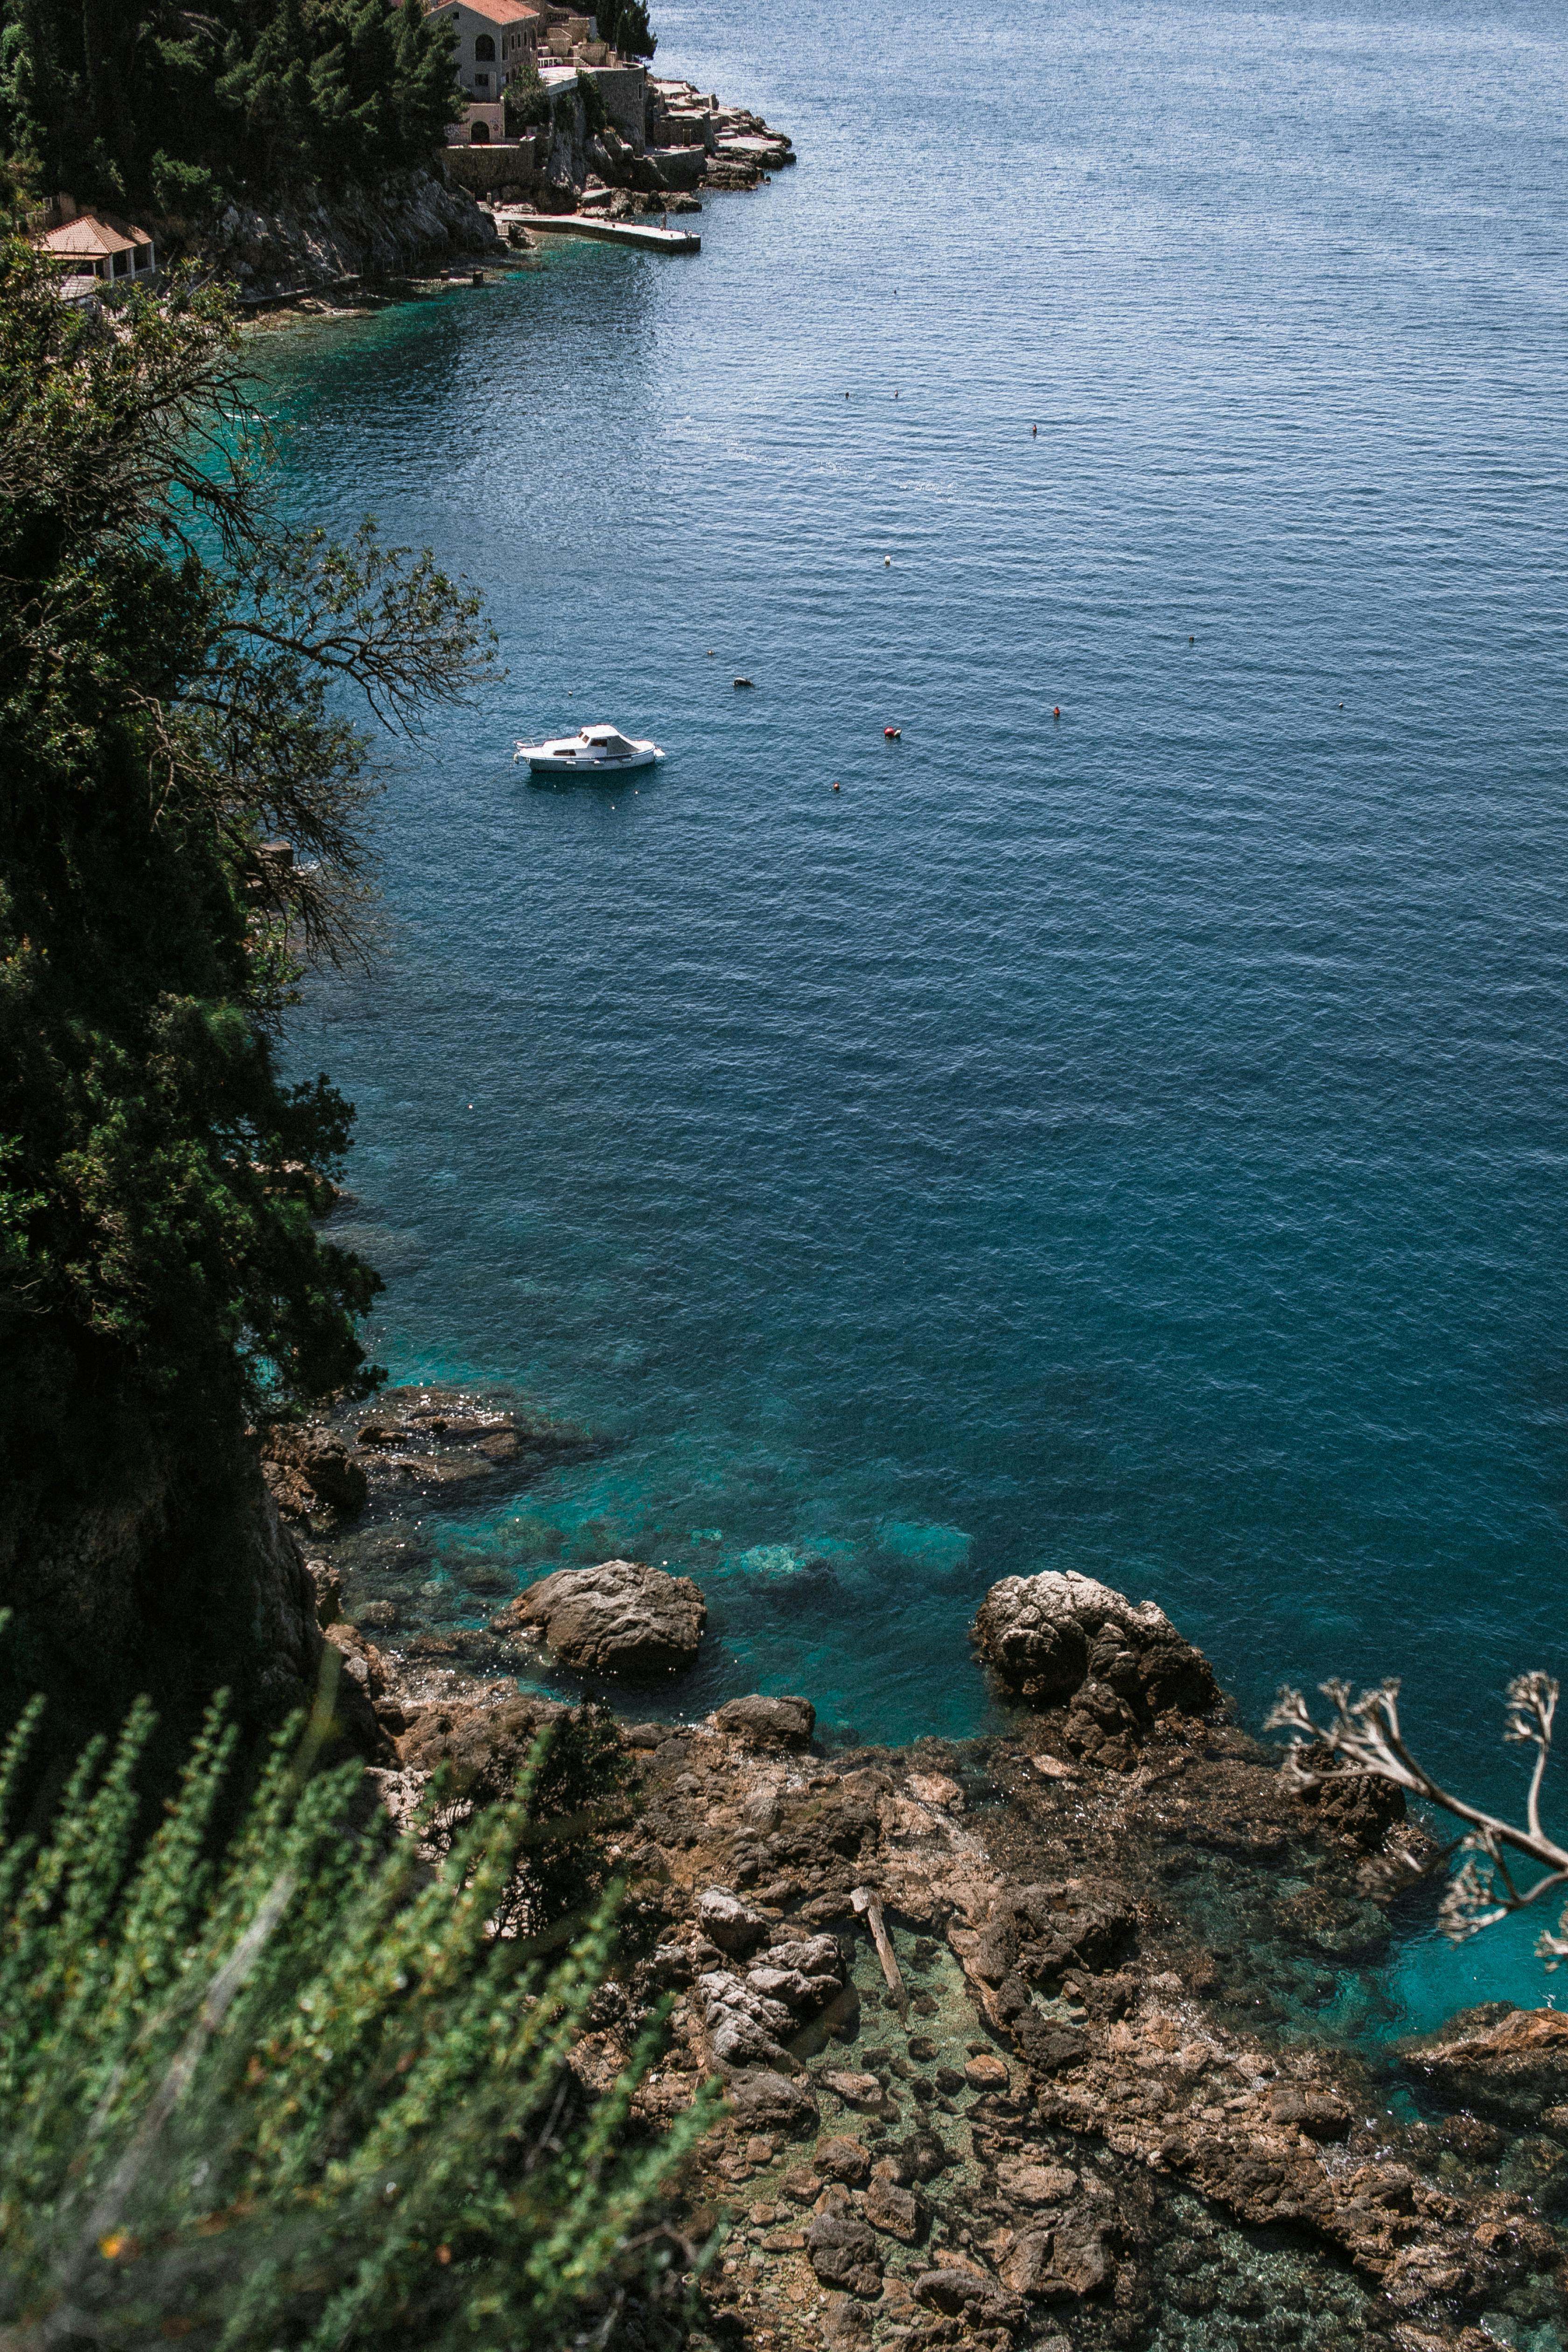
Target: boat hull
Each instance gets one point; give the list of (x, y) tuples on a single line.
[(557, 763)]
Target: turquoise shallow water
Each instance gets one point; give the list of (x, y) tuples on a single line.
[(1133, 1143)]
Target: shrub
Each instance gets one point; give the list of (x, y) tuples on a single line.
[(187, 189), (593, 115), (526, 99), (288, 2087)]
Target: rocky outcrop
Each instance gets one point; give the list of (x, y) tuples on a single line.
[(1051, 1637), (622, 1618), (769, 1722), (312, 1475), (401, 226), (622, 164), (1508, 2062), (1073, 2118)]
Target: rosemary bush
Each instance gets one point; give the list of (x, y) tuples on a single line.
[(287, 2086)]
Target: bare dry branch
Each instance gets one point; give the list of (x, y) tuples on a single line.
[(1363, 1739)]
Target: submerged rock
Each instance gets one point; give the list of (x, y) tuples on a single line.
[(620, 1618), (1048, 1636)]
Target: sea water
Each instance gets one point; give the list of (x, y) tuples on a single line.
[(1130, 1142)]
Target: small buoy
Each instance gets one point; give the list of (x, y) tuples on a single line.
[(894, 734), (1342, 706), (1192, 641), (743, 681), (709, 653), (1056, 710), (836, 788), (895, 395), (1034, 432), (887, 562)]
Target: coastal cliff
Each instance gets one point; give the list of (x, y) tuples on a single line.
[(1030, 2039)]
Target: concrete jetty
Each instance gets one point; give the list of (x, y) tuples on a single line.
[(653, 240)]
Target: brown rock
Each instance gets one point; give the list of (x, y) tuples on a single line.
[(966, 2295), (768, 1722), (1026, 2267), (771, 2102), (1045, 1636), (894, 2211), (310, 1468), (1036, 2184), (848, 2160), (620, 1618), (858, 2090), (843, 2252), (987, 2073), (1510, 2063), (485, 1741), (1317, 2113)]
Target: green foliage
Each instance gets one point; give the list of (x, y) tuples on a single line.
[(583, 1784), (257, 95), (627, 26), (291, 2089), (188, 190), (526, 99), (593, 112), (172, 664)]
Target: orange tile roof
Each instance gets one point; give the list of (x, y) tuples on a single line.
[(496, 12), (89, 237)]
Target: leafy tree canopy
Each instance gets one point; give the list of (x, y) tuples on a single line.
[(127, 102), (181, 828)]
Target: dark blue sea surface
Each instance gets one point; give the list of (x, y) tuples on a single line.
[(1133, 1142)]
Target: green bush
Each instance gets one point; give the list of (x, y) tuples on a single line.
[(187, 189), (526, 99), (594, 114), (288, 2087)]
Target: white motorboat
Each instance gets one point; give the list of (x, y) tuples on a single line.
[(593, 751)]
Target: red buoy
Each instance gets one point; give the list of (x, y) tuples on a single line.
[(893, 733), (1057, 711), (836, 788)]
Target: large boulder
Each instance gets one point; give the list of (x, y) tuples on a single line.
[(728, 1922), (768, 1722), (1046, 1636), (620, 1618)]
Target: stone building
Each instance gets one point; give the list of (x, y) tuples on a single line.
[(494, 39)]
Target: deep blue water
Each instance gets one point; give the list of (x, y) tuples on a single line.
[(1134, 1142)]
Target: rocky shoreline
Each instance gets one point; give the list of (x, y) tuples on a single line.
[(364, 244), (1029, 2040)]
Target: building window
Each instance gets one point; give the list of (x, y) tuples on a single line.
[(481, 81), (479, 134), (485, 50)]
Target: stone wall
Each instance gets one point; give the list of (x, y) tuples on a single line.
[(624, 89)]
